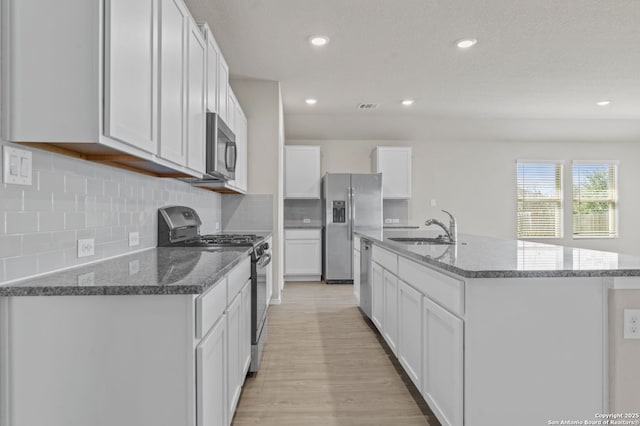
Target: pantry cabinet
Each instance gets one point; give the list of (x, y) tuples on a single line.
[(301, 172), (395, 165)]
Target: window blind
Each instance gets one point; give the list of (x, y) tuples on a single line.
[(595, 199), (539, 199)]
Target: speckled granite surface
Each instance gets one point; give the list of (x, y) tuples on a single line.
[(161, 270), (485, 257)]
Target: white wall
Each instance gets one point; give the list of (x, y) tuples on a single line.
[(477, 181), (262, 104)]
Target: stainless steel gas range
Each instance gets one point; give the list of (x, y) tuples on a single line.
[(179, 226)]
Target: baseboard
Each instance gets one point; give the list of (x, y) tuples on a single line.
[(302, 278), (275, 301)]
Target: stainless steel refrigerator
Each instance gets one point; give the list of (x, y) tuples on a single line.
[(351, 202)]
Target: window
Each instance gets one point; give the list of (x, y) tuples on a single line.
[(539, 199), (595, 199)]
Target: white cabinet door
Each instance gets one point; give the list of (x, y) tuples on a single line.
[(223, 89), (196, 99), (232, 104), (131, 70), (213, 55), (410, 332), (242, 165), (246, 330), (302, 257), (235, 361), (302, 171), (211, 369), (395, 165), (173, 32), (390, 322), (377, 295), (356, 275), (442, 381)]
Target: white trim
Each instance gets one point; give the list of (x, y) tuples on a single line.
[(275, 301), (541, 161), (616, 162)]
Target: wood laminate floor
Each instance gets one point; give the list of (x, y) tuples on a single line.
[(324, 365)]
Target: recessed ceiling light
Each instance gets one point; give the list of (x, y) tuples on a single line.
[(407, 102), (466, 43), (604, 102), (319, 40), (311, 101)]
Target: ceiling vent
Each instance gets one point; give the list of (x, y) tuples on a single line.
[(367, 106)]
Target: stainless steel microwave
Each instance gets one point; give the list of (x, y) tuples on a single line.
[(222, 151)]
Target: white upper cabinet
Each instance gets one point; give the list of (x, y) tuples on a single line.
[(395, 165), (196, 99), (242, 166), (213, 57), (301, 171), (131, 71), (223, 89), (119, 97), (174, 21)]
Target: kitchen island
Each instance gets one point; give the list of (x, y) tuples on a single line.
[(157, 337), (498, 332)]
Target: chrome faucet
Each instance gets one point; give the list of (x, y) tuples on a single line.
[(452, 231)]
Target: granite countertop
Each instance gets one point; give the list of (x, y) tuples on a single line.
[(486, 257), (162, 270)]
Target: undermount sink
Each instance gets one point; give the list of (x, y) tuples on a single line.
[(421, 240)]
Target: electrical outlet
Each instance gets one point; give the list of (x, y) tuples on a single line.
[(306, 220), (217, 226), (134, 267), (388, 220), (86, 247), (395, 220), (87, 280), (433, 202), (134, 239), (632, 323)]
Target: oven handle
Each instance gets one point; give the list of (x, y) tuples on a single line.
[(264, 260)]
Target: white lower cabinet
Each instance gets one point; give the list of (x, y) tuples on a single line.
[(234, 327), (302, 254), (211, 367), (377, 295), (442, 363), (390, 322), (356, 275), (410, 332), (246, 329)]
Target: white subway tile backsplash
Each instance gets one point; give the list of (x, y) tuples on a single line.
[(64, 202), (64, 239), (50, 181), (37, 243), (72, 199), (50, 261), (75, 184), (10, 245), (74, 220), (21, 222), (50, 221), (38, 201), (10, 198), (18, 267)]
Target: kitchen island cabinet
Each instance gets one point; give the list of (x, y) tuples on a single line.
[(159, 337), (491, 332)]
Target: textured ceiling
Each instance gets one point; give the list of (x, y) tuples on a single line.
[(535, 60)]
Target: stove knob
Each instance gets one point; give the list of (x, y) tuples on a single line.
[(265, 246)]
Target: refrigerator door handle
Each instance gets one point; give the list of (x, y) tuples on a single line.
[(350, 221), (353, 211)]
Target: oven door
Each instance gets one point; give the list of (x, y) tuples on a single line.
[(259, 299)]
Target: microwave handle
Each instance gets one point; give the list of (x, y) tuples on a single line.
[(234, 153)]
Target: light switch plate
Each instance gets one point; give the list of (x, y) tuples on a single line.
[(87, 280), (17, 165)]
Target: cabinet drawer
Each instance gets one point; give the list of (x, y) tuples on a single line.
[(386, 259), (302, 234), (238, 278), (210, 306), (443, 289)]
